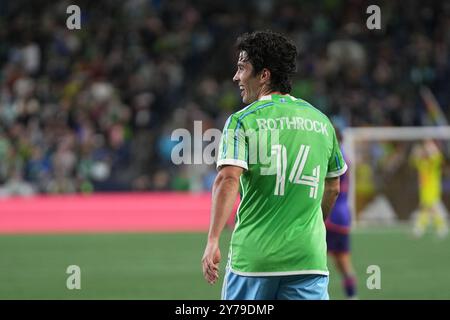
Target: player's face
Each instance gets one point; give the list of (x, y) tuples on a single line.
[(249, 83)]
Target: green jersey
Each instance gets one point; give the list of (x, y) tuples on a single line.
[(287, 148)]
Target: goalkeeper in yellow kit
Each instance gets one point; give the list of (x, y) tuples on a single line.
[(428, 161)]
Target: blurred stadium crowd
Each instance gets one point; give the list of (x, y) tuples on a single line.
[(93, 109)]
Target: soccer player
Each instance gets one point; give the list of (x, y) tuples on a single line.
[(338, 226), (278, 247), (428, 161)]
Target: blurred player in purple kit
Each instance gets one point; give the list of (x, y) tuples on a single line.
[(338, 225)]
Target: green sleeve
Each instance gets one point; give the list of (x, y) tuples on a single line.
[(233, 147), (336, 162)]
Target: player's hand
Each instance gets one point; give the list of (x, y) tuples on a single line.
[(210, 262)]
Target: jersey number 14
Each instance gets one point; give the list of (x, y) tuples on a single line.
[(278, 167)]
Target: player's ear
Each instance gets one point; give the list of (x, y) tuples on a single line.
[(265, 75)]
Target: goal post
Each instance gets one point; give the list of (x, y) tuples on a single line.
[(360, 147)]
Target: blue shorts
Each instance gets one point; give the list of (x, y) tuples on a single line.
[(295, 287), (338, 242)]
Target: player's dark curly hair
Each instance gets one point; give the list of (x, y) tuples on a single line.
[(271, 50)]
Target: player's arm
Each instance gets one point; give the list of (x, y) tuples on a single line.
[(336, 168), (330, 194), (224, 193)]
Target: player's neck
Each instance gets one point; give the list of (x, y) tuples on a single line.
[(268, 92)]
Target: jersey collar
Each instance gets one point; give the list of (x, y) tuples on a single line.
[(269, 96)]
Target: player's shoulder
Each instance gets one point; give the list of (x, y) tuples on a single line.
[(252, 108), (317, 114), (241, 115), (313, 109)]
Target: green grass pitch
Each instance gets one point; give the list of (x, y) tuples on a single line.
[(167, 266)]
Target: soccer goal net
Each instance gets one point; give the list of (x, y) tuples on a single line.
[(393, 170)]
